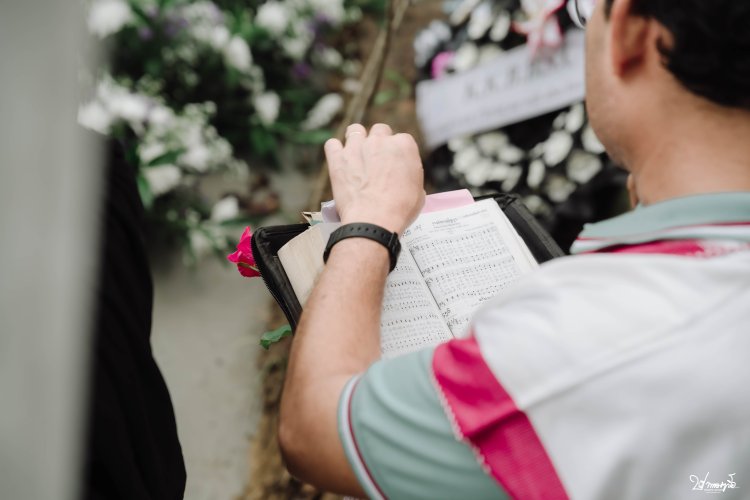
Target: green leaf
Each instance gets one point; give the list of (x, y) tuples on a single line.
[(163, 4), (167, 158), (139, 12), (147, 197), (270, 338), (131, 155), (404, 86), (313, 137), (262, 140), (383, 97)]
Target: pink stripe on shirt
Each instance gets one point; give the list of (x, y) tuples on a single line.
[(486, 416)]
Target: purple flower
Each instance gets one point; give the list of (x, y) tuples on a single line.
[(174, 25), (145, 33), (301, 71)]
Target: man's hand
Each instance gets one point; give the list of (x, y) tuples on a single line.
[(376, 178)]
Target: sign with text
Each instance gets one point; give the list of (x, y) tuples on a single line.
[(509, 89)]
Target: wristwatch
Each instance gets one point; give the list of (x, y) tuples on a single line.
[(370, 231)]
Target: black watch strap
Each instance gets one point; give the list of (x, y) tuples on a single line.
[(370, 231)]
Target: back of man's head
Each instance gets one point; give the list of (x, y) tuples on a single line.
[(668, 92), (710, 47)]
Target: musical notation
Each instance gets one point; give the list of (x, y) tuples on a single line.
[(409, 319), (449, 267), (463, 270)]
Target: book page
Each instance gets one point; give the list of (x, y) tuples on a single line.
[(467, 256), (302, 258), (410, 319)]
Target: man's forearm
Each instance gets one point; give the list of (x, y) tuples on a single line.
[(337, 338), (376, 178), (341, 320)]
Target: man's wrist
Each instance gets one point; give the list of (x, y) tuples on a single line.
[(369, 251), (362, 230)]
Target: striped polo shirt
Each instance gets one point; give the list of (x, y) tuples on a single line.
[(616, 373)]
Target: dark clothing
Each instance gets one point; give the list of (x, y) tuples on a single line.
[(133, 450)]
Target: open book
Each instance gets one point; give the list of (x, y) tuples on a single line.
[(451, 262)]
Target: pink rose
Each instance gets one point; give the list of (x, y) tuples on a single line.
[(243, 257)]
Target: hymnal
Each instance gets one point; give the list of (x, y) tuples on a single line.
[(451, 262)]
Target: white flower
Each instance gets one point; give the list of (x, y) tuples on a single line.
[(161, 117), (295, 48), (108, 16), (219, 37), (333, 10), (557, 148), (163, 178), (591, 142), (225, 209), (150, 151), (237, 54), (267, 107), (121, 103), (95, 117), (130, 107), (478, 172), (323, 112), (575, 119), (330, 57), (202, 12), (466, 57), (511, 154), (492, 143), (514, 175), (559, 188), (536, 205), (582, 167), (466, 157), (537, 171), (200, 243), (351, 86), (273, 17), (193, 132), (197, 157)]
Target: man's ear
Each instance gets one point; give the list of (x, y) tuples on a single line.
[(629, 37)]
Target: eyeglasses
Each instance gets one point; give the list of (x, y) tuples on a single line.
[(581, 11)]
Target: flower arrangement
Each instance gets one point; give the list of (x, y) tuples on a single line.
[(200, 87), (554, 162)]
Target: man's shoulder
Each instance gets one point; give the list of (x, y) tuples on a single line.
[(604, 278), (586, 314)]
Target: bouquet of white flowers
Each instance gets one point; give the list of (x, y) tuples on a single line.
[(198, 87)]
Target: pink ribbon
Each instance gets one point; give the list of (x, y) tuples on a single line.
[(541, 26)]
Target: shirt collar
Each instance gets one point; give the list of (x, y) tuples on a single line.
[(706, 216)]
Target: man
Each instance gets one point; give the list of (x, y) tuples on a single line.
[(615, 373)]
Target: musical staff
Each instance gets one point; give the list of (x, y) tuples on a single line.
[(409, 319), (463, 269)]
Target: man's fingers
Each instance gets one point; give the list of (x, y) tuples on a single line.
[(333, 149), (355, 138), (355, 134), (381, 129)]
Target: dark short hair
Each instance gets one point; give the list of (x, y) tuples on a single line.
[(711, 51)]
